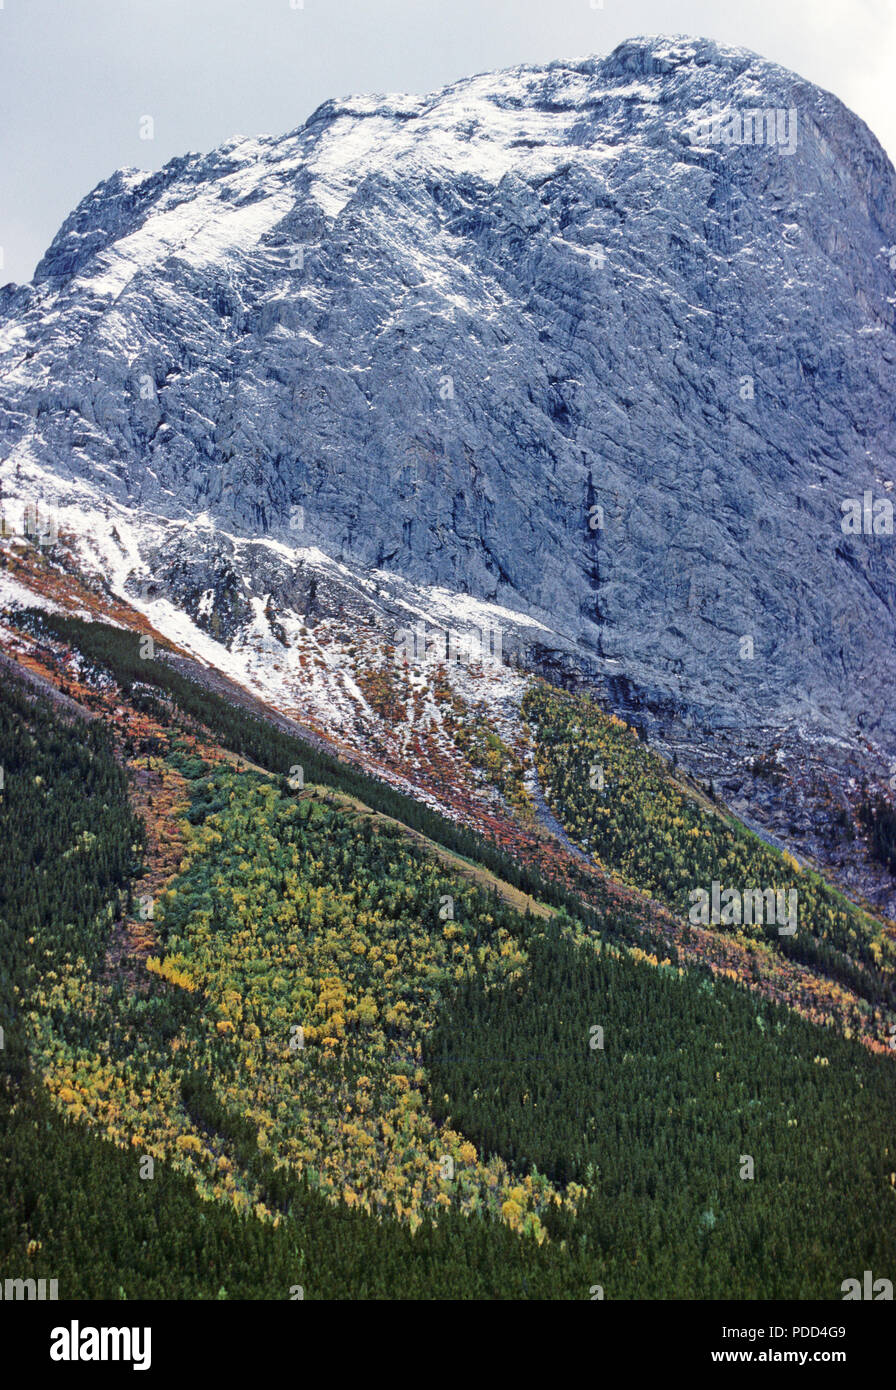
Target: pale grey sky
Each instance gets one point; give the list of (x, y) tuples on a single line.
[(76, 76)]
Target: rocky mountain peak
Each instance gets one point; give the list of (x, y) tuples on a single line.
[(607, 344)]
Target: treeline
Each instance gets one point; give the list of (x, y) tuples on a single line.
[(117, 651), (617, 799), (292, 910)]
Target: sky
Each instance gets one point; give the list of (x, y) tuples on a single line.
[(78, 77)]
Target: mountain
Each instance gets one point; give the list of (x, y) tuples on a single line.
[(594, 354), (401, 970)]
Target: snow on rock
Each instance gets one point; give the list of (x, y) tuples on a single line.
[(535, 351)]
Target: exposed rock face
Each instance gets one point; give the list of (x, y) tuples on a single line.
[(553, 337)]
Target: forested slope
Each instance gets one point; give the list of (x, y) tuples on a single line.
[(360, 1075)]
